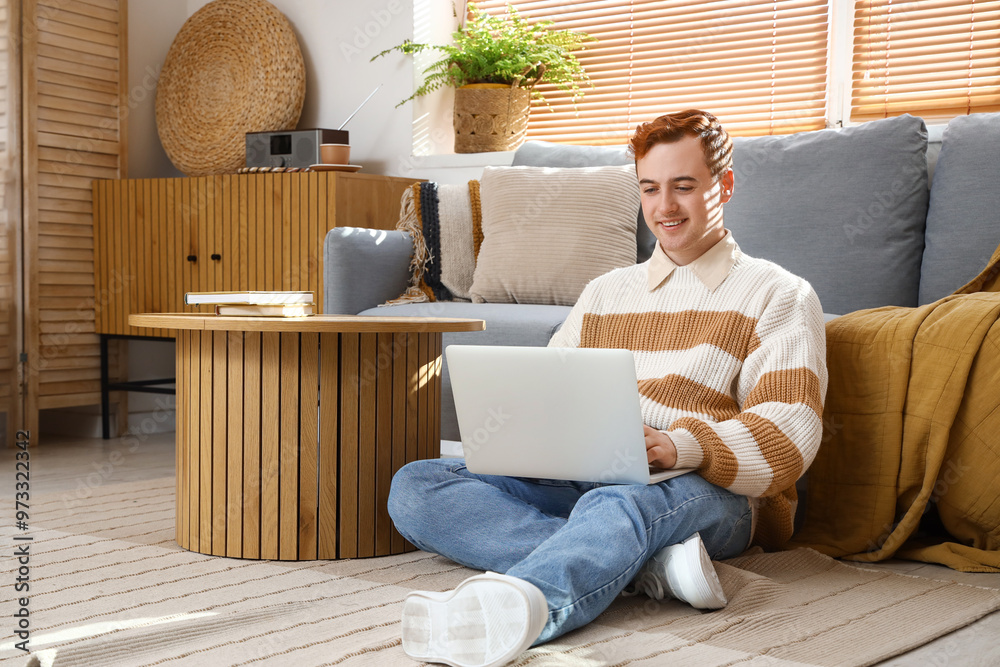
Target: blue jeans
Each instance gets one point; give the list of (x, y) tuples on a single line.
[(580, 543)]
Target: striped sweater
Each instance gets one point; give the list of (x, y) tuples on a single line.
[(735, 375)]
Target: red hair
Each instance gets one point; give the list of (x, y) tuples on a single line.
[(715, 141)]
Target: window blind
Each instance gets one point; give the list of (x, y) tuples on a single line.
[(759, 66), (932, 58)]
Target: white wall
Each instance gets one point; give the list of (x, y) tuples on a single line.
[(152, 27), (338, 38)]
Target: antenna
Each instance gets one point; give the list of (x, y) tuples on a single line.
[(359, 107)]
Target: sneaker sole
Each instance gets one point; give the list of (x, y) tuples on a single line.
[(704, 592), (485, 622)]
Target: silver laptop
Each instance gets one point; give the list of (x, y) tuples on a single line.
[(548, 412)]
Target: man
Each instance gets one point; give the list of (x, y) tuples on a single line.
[(730, 356)]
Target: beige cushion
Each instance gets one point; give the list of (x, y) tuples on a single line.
[(548, 232)]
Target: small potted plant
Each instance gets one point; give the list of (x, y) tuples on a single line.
[(494, 65)]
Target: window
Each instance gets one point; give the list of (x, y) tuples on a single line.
[(935, 59), (764, 67), (759, 66)]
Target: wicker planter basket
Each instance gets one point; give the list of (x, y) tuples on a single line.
[(490, 117)]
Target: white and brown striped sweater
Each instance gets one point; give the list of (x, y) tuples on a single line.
[(735, 375)]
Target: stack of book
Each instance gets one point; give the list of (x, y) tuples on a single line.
[(254, 304)]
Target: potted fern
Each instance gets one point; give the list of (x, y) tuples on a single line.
[(494, 64)]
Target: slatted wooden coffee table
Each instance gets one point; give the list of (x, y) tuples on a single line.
[(289, 429)]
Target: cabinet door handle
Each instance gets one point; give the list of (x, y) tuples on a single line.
[(216, 256), (192, 258)]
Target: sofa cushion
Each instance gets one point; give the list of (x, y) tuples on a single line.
[(351, 251), (844, 209), (963, 219), (506, 324), (444, 221), (548, 154), (547, 232)]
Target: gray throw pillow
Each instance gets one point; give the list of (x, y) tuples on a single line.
[(844, 209), (963, 220), (548, 154)]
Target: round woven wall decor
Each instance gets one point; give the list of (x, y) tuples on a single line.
[(234, 67)]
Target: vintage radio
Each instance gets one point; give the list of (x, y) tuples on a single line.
[(290, 148)]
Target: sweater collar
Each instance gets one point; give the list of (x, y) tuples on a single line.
[(711, 268)]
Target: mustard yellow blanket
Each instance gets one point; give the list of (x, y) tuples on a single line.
[(911, 423)]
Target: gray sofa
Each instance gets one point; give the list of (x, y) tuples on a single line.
[(878, 214)]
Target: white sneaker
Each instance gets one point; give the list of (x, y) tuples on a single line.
[(683, 571), (487, 620)]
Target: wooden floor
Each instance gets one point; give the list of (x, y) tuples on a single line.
[(62, 464), (73, 465)]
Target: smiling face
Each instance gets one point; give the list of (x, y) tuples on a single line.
[(681, 201)]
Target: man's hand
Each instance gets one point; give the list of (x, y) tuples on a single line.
[(660, 450)]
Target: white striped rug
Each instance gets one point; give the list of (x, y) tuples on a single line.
[(109, 586)]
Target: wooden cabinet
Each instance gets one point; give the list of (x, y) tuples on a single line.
[(155, 239)]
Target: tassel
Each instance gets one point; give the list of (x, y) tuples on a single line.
[(409, 222)]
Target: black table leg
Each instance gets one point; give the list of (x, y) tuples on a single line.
[(105, 392)]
